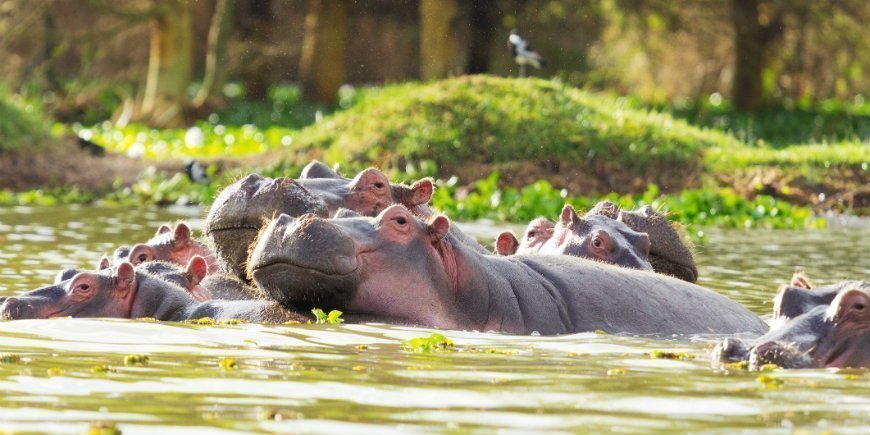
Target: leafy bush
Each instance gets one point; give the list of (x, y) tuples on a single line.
[(22, 124)]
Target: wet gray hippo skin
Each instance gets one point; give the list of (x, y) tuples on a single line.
[(125, 292), (800, 296), (834, 335), (239, 211), (598, 237), (537, 233), (399, 267), (668, 252)]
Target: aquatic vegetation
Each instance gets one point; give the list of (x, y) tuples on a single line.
[(664, 354), (10, 358), (230, 321), (769, 367), (769, 382), (227, 363), (103, 428), (321, 318), (206, 321), (362, 347), (103, 368), (54, 371), (433, 343), (136, 359), (619, 371)]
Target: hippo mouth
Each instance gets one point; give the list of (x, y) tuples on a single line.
[(299, 286)]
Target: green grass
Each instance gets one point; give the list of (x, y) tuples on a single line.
[(819, 155), (22, 124)]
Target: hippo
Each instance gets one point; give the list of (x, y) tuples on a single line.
[(397, 266), (176, 246), (239, 210), (129, 293), (826, 336), (598, 237), (799, 296), (537, 233), (669, 253)]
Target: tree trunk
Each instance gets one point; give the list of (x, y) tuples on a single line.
[(483, 25), (749, 51), (321, 68), (438, 40), (170, 65), (215, 58)]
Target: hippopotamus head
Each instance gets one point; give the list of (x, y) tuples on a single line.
[(799, 296), (834, 335), (175, 246), (119, 292), (393, 264), (668, 253), (537, 233), (106, 293), (598, 237), (240, 210)]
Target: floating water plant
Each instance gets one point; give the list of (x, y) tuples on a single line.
[(227, 364), (333, 318), (663, 354), (433, 343), (769, 382), (103, 368), (9, 358), (619, 371), (103, 428), (131, 360)]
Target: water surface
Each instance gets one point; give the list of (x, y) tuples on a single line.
[(357, 378)]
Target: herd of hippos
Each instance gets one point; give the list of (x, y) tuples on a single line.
[(274, 248)]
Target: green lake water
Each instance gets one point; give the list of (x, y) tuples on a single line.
[(357, 378)]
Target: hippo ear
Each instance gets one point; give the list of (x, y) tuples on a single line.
[(438, 228), (800, 280), (104, 263), (506, 243), (604, 208), (196, 270), (125, 277), (568, 216), (163, 230), (317, 169), (182, 234), (421, 192), (345, 213)]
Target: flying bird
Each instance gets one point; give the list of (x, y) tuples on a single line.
[(523, 53)]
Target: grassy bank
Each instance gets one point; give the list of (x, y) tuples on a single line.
[(505, 149)]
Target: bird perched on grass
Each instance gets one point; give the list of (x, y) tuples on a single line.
[(523, 53)]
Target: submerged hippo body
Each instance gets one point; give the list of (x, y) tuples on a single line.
[(125, 292), (240, 210), (537, 233), (396, 266), (833, 335)]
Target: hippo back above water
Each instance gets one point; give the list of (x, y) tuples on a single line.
[(396, 266)]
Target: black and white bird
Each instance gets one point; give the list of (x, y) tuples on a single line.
[(523, 53), (196, 172)]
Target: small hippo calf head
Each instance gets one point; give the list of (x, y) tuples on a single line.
[(175, 246), (537, 233), (106, 293), (598, 237)]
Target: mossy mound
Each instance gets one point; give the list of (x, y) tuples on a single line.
[(476, 124)]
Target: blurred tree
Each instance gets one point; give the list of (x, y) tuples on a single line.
[(438, 38), (170, 63), (321, 68), (484, 22), (215, 58), (756, 26)]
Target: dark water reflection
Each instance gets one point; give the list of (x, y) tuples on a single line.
[(315, 378)]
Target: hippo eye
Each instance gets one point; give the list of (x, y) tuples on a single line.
[(401, 220), (379, 185), (597, 242), (142, 258), (530, 235), (82, 288), (859, 307)]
